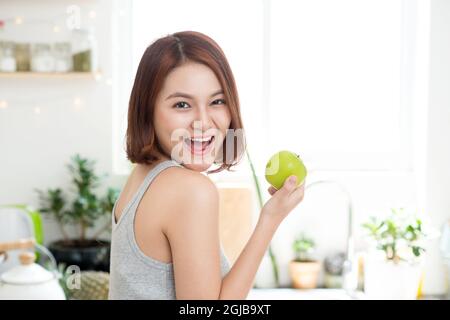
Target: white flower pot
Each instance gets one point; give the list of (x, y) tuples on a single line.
[(386, 280)]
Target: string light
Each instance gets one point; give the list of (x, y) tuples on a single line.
[(77, 102), (37, 110), (3, 104), (109, 82), (92, 14), (56, 29), (98, 76), (18, 20)]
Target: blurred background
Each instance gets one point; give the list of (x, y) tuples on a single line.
[(357, 88)]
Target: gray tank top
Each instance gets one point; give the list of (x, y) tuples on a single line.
[(134, 275)]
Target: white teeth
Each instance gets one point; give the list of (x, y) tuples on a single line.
[(201, 139)]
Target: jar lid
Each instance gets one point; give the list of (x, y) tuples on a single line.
[(27, 272)]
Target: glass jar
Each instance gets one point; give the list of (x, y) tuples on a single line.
[(22, 54), (42, 59), (7, 59), (84, 50), (62, 53)]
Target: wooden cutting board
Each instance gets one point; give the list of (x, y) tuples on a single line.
[(236, 221)]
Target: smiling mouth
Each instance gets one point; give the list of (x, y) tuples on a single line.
[(199, 144)]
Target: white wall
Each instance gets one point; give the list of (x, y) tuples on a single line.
[(437, 168), (34, 148)]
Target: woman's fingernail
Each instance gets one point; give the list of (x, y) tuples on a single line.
[(293, 179)]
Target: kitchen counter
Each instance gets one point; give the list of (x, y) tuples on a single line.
[(316, 294), (300, 294)]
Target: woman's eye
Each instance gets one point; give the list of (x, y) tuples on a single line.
[(219, 101), (181, 105)]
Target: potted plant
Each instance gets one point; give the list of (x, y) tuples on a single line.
[(393, 269), (89, 253), (303, 269)]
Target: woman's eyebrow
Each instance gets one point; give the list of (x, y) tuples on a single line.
[(185, 95)]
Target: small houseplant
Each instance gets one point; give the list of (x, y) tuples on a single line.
[(392, 269), (83, 211), (304, 270)]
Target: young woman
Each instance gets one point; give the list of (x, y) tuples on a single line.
[(165, 239)]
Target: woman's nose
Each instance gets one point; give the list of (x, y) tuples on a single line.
[(202, 119)]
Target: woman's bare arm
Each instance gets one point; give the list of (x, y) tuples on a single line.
[(193, 233), (239, 281)]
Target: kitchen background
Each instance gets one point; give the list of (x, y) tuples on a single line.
[(358, 88)]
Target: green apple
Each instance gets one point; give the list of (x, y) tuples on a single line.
[(282, 165)]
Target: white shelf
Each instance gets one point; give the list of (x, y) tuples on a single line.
[(50, 75)]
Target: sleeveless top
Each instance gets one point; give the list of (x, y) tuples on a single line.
[(134, 275)]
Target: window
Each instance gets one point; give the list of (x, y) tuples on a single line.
[(336, 81), (327, 79), (237, 27)]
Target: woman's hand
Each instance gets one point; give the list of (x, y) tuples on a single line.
[(284, 200)]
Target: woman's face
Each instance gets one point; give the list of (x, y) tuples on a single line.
[(191, 116)]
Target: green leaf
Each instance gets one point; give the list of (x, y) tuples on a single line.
[(417, 250), (393, 231)]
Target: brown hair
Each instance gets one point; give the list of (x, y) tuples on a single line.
[(158, 60)]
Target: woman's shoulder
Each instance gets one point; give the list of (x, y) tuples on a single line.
[(179, 176), (176, 185), (174, 175), (182, 196), (177, 193), (191, 200)]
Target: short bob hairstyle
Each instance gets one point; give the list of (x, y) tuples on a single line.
[(158, 60)]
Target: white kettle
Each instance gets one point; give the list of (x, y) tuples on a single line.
[(28, 281)]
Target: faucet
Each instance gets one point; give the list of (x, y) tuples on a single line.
[(349, 274)]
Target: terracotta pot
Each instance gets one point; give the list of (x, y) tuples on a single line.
[(304, 275)]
